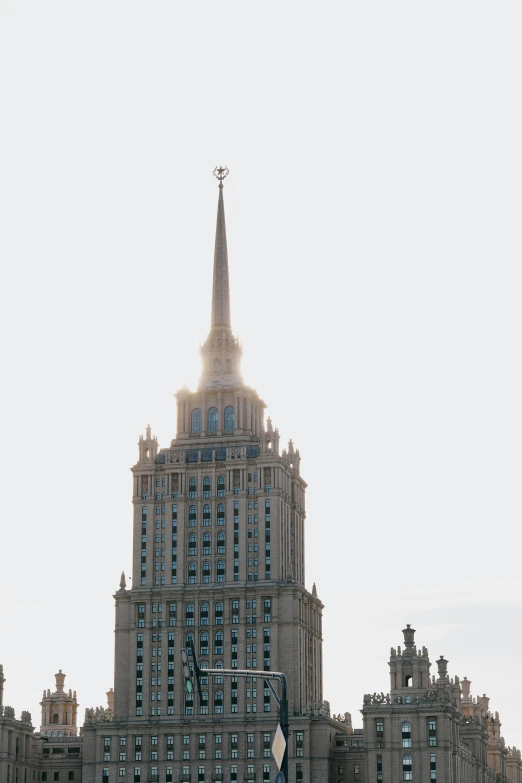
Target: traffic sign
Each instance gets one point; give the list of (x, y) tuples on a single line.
[(278, 748), (189, 677)]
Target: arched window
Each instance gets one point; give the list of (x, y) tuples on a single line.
[(192, 572), (218, 679), (408, 681), (221, 570), (189, 641), (193, 485), (189, 704), (203, 679), (218, 643), (221, 514), (221, 486), (189, 614), (203, 614), (218, 613), (196, 420), (55, 718), (206, 572), (218, 703), (193, 516), (221, 543), (206, 544), (212, 420), (53, 734), (406, 735), (192, 544), (207, 521), (203, 644), (207, 486), (229, 418), (203, 703), (60, 733), (407, 768)]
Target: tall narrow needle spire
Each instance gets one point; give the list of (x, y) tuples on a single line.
[(220, 287)]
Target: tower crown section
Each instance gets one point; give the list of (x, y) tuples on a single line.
[(409, 668), (59, 710)]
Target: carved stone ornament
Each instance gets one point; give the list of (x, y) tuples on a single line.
[(144, 485)]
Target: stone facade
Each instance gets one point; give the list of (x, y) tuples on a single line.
[(54, 753), (427, 728)]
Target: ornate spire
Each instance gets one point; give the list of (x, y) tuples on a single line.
[(220, 286)]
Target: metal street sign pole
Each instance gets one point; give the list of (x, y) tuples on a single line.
[(281, 700)]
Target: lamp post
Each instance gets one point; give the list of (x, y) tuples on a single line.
[(282, 700)]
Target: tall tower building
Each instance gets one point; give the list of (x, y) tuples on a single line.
[(218, 560)]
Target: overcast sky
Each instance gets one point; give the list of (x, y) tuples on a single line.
[(373, 215)]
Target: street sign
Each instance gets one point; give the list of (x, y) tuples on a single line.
[(278, 749), (279, 778), (189, 678)]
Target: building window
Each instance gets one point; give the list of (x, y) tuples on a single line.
[(221, 514), (218, 613), (189, 704), (203, 614), (221, 486), (229, 418), (379, 769), (207, 544), (221, 571), (192, 487), (192, 572), (407, 768), (433, 767), (192, 545), (406, 736), (299, 743), (193, 516), (203, 644), (196, 420), (206, 572), (203, 706), (218, 643), (218, 702), (207, 520), (298, 772), (432, 732), (207, 487), (212, 419), (218, 680), (220, 543), (189, 614)]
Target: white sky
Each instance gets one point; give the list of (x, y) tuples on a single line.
[(373, 215)]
